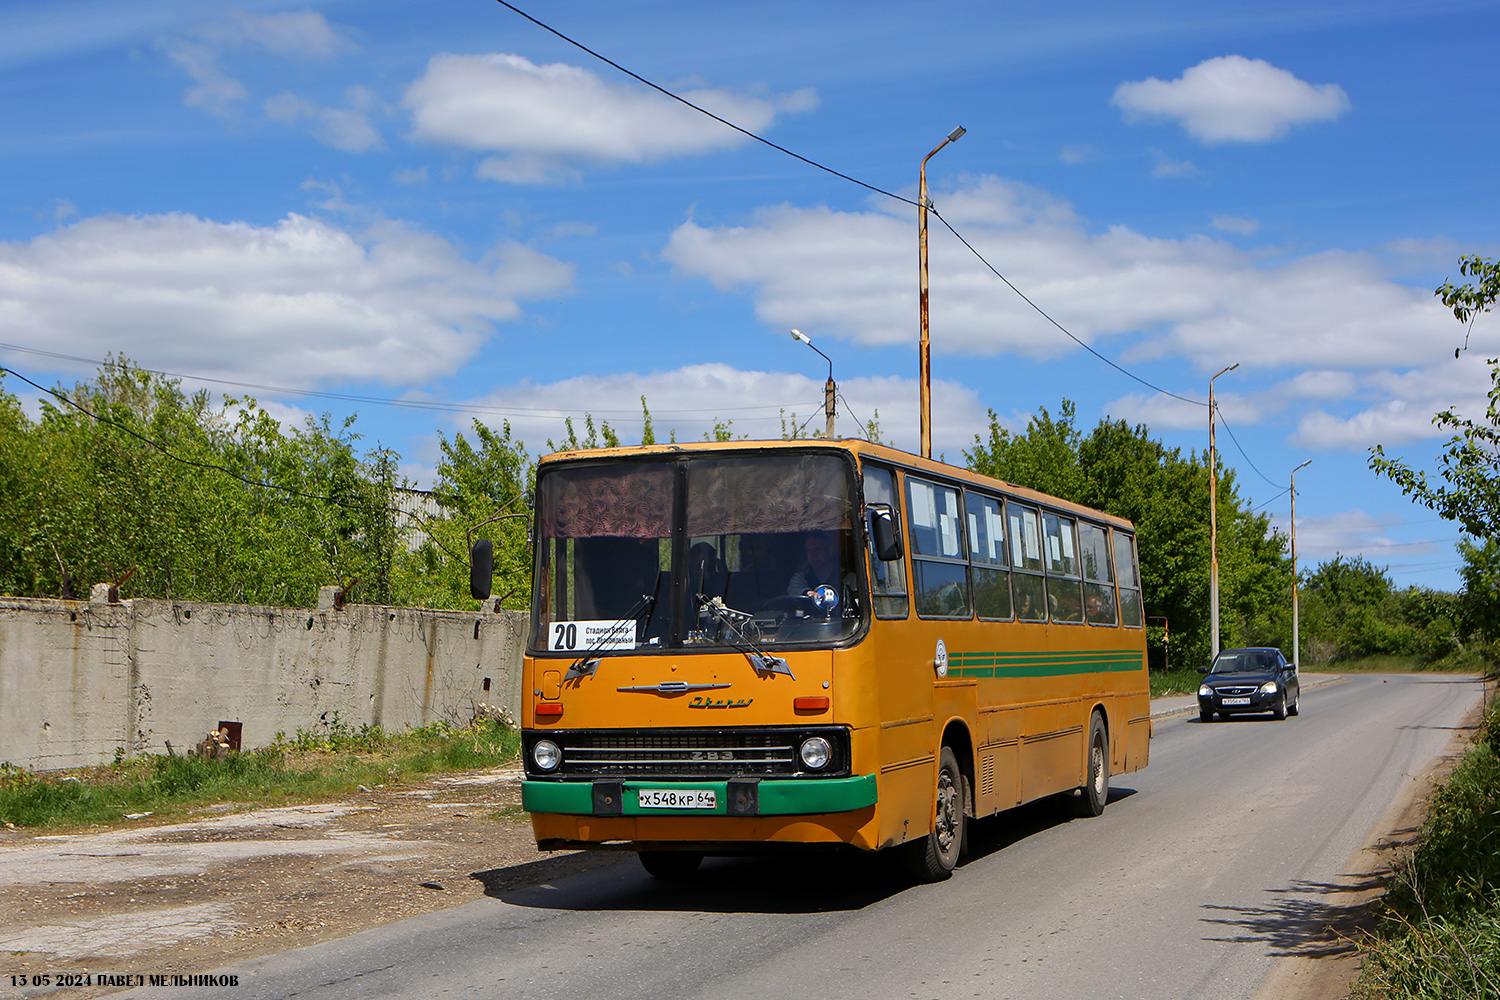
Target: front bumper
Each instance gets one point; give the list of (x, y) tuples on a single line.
[(733, 797), (1257, 701)]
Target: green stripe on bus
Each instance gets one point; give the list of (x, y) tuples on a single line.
[(997, 664)]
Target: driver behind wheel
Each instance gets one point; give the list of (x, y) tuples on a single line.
[(822, 567)]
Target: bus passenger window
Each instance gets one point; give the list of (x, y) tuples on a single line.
[(1064, 593), (939, 562), (1026, 561), (987, 554), (1098, 581), (1130, 580)]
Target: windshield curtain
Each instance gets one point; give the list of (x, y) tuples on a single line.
[(717, 550)]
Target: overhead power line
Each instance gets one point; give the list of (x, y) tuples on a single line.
[(853, 180)]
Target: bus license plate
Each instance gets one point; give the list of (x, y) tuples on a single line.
[(676, 798), (1236, 701)]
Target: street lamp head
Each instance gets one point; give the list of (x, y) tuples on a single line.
[(799, 335), (956, 134)]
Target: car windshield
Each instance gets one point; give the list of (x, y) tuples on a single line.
[(725, 549), (1245, 661)]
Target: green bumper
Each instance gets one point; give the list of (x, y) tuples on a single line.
[(731, 798)]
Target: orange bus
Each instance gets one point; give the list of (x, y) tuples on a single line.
[(741, 645)]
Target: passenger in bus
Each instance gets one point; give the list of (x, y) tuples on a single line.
[(822, 567)]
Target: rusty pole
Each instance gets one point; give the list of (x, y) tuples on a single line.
[(926, 357)]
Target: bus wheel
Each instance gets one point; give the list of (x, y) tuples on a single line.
[(1089, 800), (670, 864), (933, 858)]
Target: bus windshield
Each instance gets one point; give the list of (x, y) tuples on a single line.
[(734, 550)]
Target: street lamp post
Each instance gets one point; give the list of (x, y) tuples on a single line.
[(1213, 517), (926, 362), (829, 389), (1296, 645)]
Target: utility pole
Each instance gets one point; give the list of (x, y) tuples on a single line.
[(1213, 516), (830, 390), (925, 355), (1296, 644)]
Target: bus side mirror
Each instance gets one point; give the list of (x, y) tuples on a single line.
[(481, 568), (883, 535)]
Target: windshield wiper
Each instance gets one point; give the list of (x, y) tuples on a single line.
[(731, 619), (586, 664)]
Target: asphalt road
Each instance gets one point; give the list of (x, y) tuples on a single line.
[(1235, 848)]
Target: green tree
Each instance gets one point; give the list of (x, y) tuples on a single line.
[(1470, 464), (1480, 600)]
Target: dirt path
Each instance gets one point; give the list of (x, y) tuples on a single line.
[(190, 897)]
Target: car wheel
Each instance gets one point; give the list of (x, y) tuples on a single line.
[(1089, 800), (1204, 715), (671, 864), (1280, 710), (1295, 706), (934, 857)]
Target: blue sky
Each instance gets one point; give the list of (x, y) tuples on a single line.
[(445, 204)]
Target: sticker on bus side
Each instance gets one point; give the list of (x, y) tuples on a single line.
[(579, 636)]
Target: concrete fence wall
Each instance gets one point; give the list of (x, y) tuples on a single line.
[(81, 679)]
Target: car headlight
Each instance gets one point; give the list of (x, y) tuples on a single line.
[(1269, 687), (546, 755), (1204, 691), (815, 753)]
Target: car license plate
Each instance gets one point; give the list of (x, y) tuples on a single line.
[(1235, 701), (676, 798)]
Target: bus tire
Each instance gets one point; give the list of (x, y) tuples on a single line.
[(933, 858), (670, 864), (1089, 800)]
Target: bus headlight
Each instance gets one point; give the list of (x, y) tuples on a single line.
[(546, 755), (815, 753)]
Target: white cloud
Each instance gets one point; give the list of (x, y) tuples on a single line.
[(288, 304), (1353, 534), (1167, 168), (348, 128), (1074, 155), (1158, 412), (302, 34), (1236, 224), (1232, 99), (756, 403), (1407, 402), (212, 89), (850, 274), (540, 119), (305, 34)]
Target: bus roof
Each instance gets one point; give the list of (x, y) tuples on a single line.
[(857, 446)]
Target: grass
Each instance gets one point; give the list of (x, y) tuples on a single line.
[(1438, 936), (330, 761)]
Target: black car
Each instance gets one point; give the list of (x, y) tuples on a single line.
[(1249, 680)]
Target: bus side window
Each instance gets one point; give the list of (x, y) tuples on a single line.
[(1064, 592), (940, 564), (1026, 561), (887, 578), (987, 554), (1129, 576), (1098, 580)]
